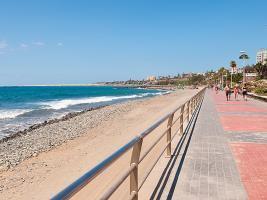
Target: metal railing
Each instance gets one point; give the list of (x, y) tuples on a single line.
[(135, 144)]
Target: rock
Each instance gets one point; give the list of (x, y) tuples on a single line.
[(4, 167), (49, 134)]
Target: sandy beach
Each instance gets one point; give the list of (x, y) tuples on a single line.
[(42, 162)]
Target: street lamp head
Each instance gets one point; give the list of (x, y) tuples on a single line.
[(244, 56)]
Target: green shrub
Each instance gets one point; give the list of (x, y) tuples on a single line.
[(261, 90)]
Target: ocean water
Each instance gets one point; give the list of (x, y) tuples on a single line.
[(21, 107)]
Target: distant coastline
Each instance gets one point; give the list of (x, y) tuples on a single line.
[(54, 85), (157, 87)]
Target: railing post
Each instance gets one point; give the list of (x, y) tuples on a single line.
[(169, 135), (187, 111), (134, 174), (182, 120), (197, 100), (192, 106)]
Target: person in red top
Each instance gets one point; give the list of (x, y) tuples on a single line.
[(236, 89)]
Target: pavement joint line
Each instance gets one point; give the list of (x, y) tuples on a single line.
[(209, 168)]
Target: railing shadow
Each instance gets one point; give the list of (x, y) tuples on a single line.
[(161, 185), (186, 109)]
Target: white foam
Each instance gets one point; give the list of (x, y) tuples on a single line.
[(70, 102), (12, 113)]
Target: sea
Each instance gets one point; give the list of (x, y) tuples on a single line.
[(23, 106)]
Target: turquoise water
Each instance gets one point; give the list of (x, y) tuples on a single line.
[(21, 107)]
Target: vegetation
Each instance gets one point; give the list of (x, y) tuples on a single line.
[(196, 79), (261, 91), (261, 70), (213, 77), (182, 82), (237, 78)]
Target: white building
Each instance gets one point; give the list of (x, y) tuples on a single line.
[(261, 56), (151, 78)]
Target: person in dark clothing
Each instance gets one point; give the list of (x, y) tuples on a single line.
[(227, 92), (244, 92)]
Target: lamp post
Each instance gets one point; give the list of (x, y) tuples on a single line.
[(232, 78), (224, 70), (222, 81), (233, 66)]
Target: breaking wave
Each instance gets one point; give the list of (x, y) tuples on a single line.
[(60, 104), (9, 114)]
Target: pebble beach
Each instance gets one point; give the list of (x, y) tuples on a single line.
[(32, 161)]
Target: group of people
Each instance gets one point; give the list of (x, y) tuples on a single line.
[(236, 90)]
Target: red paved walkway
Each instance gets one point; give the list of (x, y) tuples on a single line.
[(251, 159), (250, 117), (244, 122)]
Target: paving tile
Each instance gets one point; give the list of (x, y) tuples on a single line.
[(244, 123), (252, 163), (209, 170)]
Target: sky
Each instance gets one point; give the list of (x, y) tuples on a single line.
[(83, 41)]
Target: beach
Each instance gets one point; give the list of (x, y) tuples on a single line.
[(38, 164)]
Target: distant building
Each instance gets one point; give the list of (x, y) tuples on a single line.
[(151, 78), (261, 56), (251, 76), (239, 70), (187, 75)]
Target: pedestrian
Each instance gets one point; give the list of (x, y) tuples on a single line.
[(227, 92), (219, 87), (236, 92), (216, 89), (244, 92)]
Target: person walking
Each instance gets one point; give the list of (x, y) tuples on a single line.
[(236, 92), (216, 89), (244, 92), (227, 92)]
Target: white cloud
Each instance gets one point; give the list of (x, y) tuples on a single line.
[(59, 44), (22, 45), (39, 43), (3, 44)]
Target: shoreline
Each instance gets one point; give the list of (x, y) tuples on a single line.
[(47, 122), (25, 130), (10, 140), (30, 165)]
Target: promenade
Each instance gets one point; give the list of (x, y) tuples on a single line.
[(224, 156)]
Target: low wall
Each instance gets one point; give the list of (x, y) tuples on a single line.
[(255, 96)]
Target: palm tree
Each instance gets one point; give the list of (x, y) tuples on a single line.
[(244, 57), (233, 64)]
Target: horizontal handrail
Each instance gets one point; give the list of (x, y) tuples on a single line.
[(73, 188), (136, 144), (152, 145), (118, 182)]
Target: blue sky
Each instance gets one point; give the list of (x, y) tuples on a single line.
[(64, 41)]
